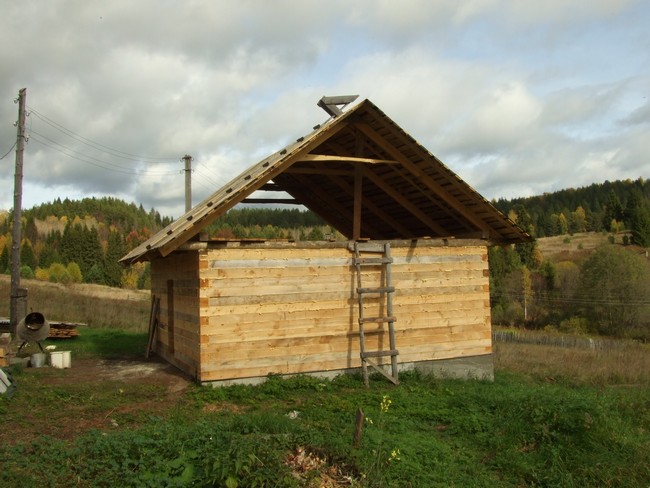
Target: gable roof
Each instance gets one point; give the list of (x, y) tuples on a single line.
[(363, 175)]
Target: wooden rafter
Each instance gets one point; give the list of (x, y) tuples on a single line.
[(319, 171), (422, 176), (434, 199), (286, 201), (370, 206), (407, 176), (326, 158), (419, 214)]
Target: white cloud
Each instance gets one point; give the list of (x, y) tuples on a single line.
[(514, 96)]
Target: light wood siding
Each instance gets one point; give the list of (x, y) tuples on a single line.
[(175, 280), (293, 310)]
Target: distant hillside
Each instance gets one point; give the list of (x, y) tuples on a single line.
[(609, 206), (75, 241), (81, 241)]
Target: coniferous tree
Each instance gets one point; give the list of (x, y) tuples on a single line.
[(637, 217), (71, 242), (613, 211), (526, 250), (4, 259), (114, 251), (30, 232), (50, 253), (27, 257)]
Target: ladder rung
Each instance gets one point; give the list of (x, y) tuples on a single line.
[(372, 261), (378, 354), (380, 289), (370, 247), (377, 319)]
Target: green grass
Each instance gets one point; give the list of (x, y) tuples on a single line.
[(97, 343), (517, 431)]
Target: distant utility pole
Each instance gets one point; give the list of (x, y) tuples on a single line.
[(18, 198), (188, 182)]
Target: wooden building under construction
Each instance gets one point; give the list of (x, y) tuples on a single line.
[(410, 288)]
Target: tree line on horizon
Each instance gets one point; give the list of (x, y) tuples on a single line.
[(609, 206)]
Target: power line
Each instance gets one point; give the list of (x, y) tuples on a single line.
[(208, 178), (98, 146), (579, 300), (7, 153), (98, 163)]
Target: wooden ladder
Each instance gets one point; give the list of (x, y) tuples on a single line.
[(385, 290)]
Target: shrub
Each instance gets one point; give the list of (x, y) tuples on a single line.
[(74, 272), (26, 272), (57, 273), (574, 325)]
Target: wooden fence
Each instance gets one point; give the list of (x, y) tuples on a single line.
[(530, 337)]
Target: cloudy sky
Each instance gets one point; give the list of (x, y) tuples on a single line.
[(517, 97)]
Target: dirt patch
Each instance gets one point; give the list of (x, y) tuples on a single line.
[(152, 371), (93, 394)]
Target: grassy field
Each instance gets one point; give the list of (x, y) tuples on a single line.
[(549, 419), (94, 305), (554, 417)]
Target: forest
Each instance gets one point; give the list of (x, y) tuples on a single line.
[(68, 241), (606, 291), (609, 206)]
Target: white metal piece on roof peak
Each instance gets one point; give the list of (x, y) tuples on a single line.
[(334, 105)]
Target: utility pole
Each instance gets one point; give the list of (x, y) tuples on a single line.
[(188, 182), (18, 198)]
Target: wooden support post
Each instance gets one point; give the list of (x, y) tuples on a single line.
[(358, 428), (170, 316), (358, 188), (358, 191), (153, 324)]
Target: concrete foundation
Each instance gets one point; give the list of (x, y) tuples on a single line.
[(467, 368)]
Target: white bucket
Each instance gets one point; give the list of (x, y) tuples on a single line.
[(37, 360), (60, 359)]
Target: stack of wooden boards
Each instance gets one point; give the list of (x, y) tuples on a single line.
[(63, 330), (58, 330)]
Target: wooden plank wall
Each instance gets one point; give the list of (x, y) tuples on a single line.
[(175, 279), (294, 310)]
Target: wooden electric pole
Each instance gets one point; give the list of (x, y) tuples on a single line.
[(188, 182), (18, 198)]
